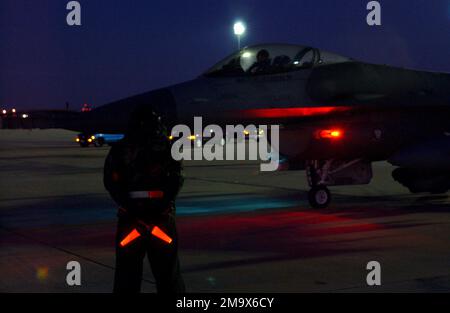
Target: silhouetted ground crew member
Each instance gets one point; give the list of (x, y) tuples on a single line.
[(142, 177)]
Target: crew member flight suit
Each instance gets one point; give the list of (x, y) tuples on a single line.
[(144, 180)]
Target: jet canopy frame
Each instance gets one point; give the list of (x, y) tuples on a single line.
[(272, 59)]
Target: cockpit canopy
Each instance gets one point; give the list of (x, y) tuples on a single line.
[(272, 59)]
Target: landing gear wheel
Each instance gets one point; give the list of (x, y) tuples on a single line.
[(319, 197)]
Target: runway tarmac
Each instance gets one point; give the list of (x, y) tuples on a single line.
[(240, 230)]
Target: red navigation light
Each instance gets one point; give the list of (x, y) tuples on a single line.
[(331, 133), (157, 232), (130, 237), (86, 108), (336, 133)]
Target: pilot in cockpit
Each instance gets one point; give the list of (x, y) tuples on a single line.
[(262, 63)]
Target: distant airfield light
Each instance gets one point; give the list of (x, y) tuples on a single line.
[(13, 110), (239, 29), (24, 115), (246, 55), (4, 111)]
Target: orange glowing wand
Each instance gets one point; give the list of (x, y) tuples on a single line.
[(130, 238), (156, 231)]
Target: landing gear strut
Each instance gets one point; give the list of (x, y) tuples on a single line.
[(319, 196), (322, 173)]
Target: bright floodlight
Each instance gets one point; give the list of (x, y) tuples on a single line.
[(239, 28)]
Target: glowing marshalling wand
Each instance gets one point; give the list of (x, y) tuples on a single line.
[(134, 234)]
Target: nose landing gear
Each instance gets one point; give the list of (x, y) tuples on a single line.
[(323, 173), (319, 197)]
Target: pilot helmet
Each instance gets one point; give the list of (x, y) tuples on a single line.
[(145, 124)]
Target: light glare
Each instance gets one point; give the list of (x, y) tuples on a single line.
[(239, 28)]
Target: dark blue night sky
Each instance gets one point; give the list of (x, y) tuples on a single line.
[(127, 47)]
